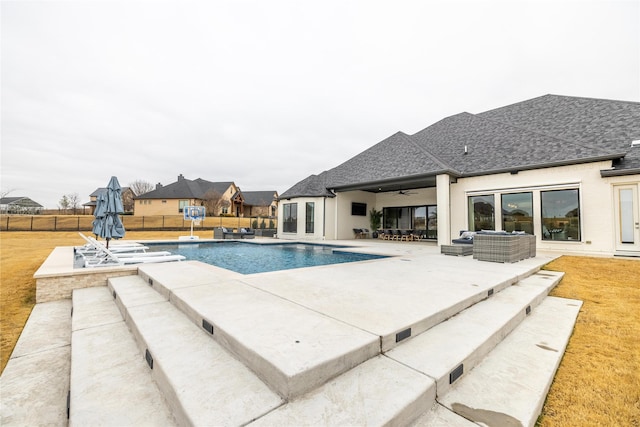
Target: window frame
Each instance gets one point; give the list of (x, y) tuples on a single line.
[(568, 224), (503, 215), (290, 218), (309, 220), (471, 219)]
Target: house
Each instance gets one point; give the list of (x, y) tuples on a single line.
[(260, 203), (566, 169), (219, 198), (19, 205), (127, 199)]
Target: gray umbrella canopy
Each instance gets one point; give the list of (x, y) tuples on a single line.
[(108, 209)]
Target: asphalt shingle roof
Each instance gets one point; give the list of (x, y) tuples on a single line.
[(542, 132), (25, 200), (186, 189), (258, 198)]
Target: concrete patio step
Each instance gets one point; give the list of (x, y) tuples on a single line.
[(509, 386), (35, 382), (202, 382), (292, 348), (378, 392), (451, 349), (110, 381)]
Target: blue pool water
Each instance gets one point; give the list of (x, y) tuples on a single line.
[(249, 258)]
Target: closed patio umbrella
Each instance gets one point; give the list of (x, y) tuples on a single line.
[(108, 209)]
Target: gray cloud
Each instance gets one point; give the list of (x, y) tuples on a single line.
[(267, 93)]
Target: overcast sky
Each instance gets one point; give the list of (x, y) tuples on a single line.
[(265, 93)]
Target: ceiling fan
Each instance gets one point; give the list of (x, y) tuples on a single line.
[(405, 193)]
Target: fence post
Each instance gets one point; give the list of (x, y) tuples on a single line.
[(31, 222), (55, 223), (162, 221), (78, 223), (8, 222), (143, 222)]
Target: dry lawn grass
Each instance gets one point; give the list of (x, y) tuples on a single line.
[(21, 254), (598, 383)]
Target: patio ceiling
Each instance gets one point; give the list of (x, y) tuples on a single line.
[(405, 183)]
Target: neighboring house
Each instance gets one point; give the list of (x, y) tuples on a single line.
[(260, 203), (127, 199), (566, 169), (20, 205), (220, 198)]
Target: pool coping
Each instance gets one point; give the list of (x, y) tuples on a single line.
[(57, 277)]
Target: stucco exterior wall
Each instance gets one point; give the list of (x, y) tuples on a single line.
[(348, 222), (301, 233), (596, 202)]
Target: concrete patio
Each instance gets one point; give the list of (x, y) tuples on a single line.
[(418, 338)]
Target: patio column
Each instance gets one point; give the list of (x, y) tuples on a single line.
[(444, 209)]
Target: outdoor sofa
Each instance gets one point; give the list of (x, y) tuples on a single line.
[(225, 233), (494, 246)]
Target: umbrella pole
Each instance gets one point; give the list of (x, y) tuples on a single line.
[(108, 242)]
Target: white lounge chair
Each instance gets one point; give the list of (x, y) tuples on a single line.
[(93, 246), (103, 257)]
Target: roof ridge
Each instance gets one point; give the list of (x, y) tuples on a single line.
[(432, 156), (589, 97)]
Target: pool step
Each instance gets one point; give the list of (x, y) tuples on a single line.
[(110, 380), (292, 348), (455, 346), (510, 385), (202, 383)]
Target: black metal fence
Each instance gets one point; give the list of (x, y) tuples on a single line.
[(131, 222)]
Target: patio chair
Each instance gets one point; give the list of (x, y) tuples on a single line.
[(405, 235), (418, 234)]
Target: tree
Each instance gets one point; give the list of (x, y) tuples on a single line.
[(70, 201), (140, 187), (5, 193), (64, 203), (74, 202), (213, 202)]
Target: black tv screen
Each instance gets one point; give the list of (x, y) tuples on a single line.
[(359, 209)]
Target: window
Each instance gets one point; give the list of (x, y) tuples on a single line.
[(412, 218), (482, 213), (560, 214), (432, 222), (517, 212), (399, 217), (359, 209), (290, 221), (181, 204), (224, 210), (309, 217)]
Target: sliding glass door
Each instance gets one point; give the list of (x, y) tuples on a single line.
[(412, 218)]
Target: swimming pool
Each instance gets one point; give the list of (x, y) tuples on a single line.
[(250, 258)]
